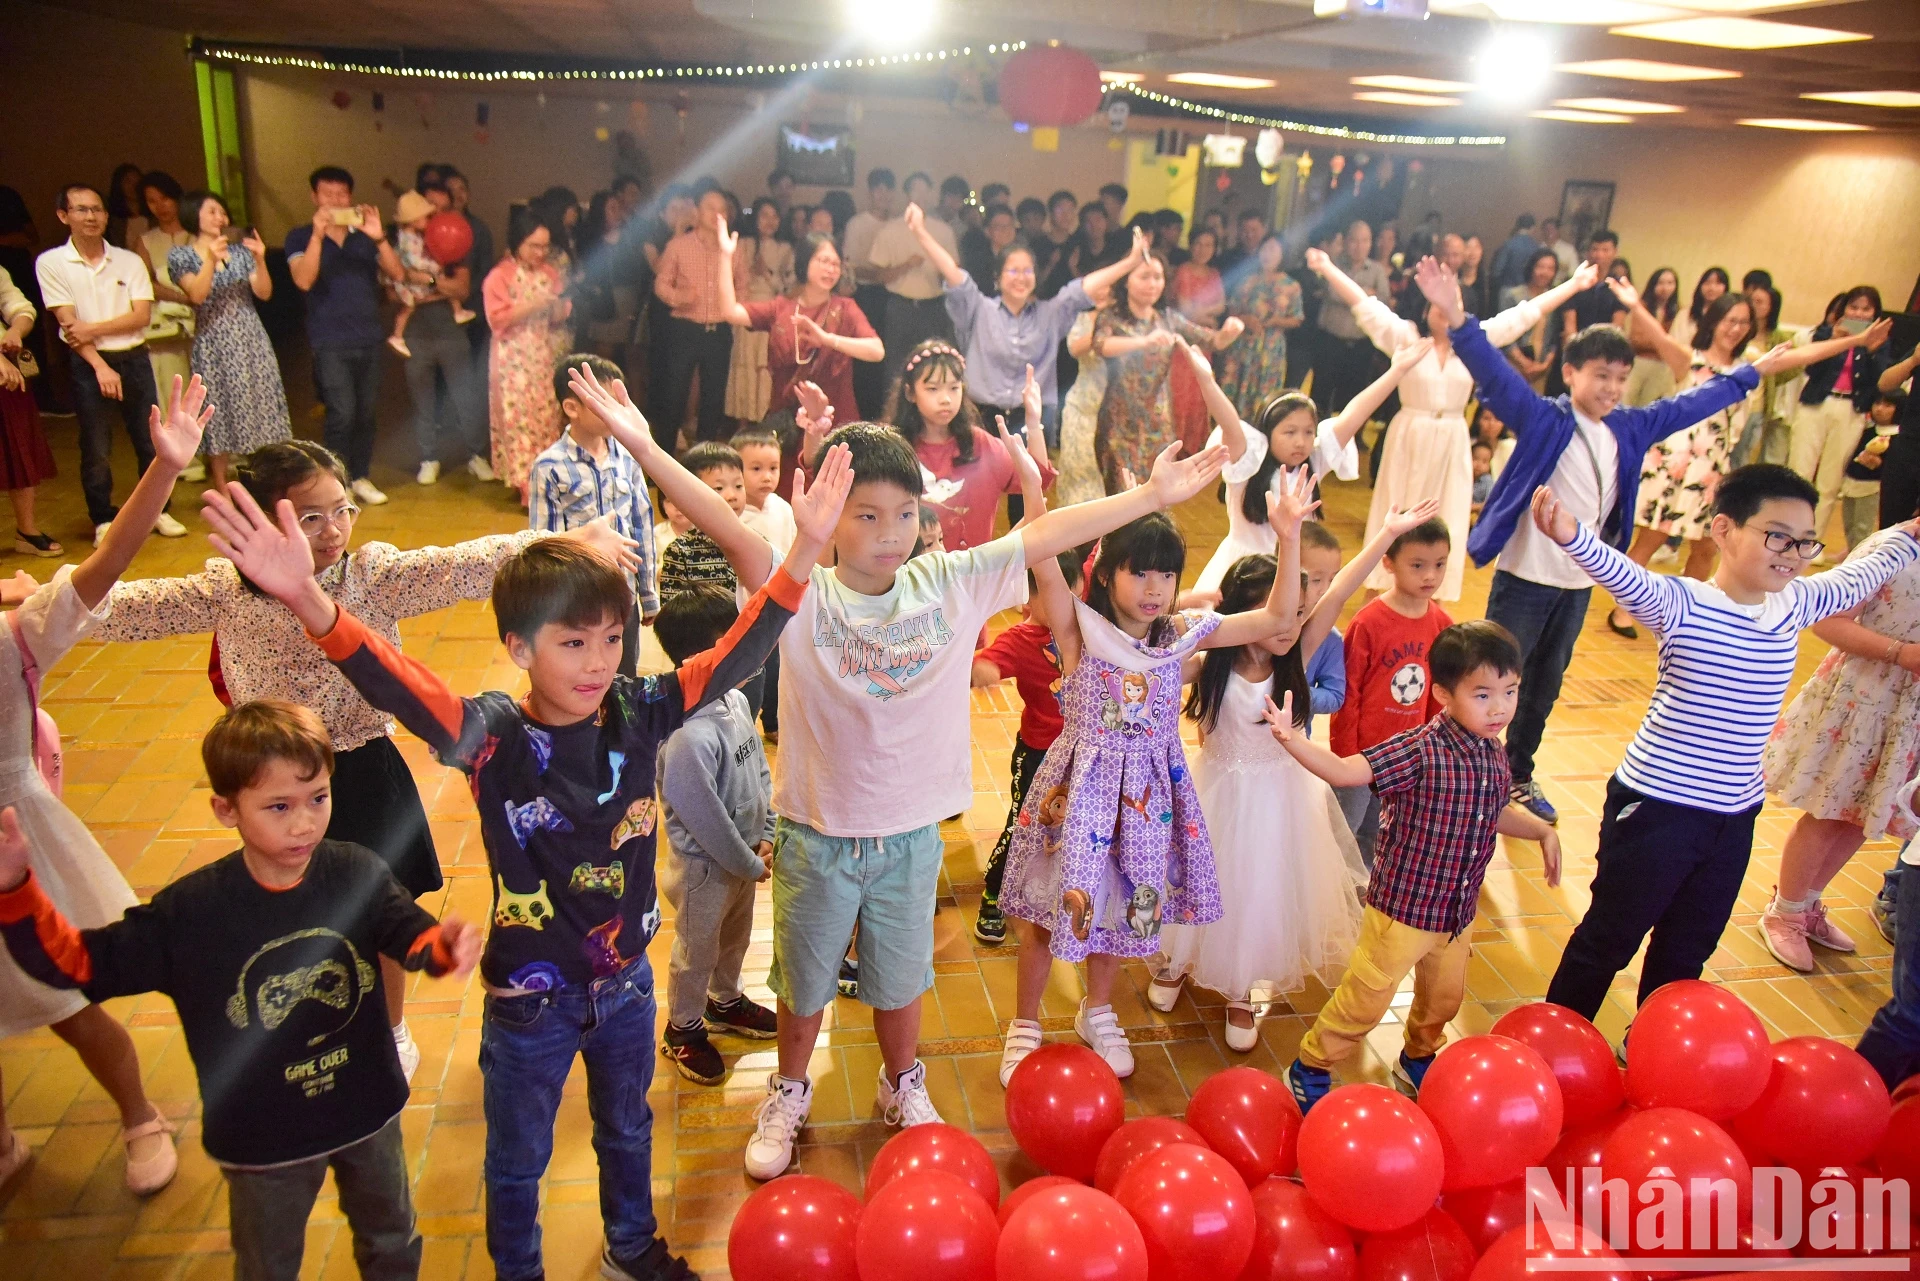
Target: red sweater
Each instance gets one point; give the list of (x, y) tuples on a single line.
[(1389, 689)]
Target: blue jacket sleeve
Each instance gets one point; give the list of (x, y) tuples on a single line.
[(1641, 428), (1499, 384), (1327, 675)]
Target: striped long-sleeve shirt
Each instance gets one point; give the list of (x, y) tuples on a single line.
[(1724, 668)]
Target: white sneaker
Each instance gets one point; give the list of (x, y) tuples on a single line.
[(367, 492), (429, 473), (776, 1124), (100, 532), (196, 471), (1164, 994), (1241, 1040), (481, 468), (1023, 1038), (168, 527), (1101, 1031), (1665, 554), (906, 1103), (408, 1049)]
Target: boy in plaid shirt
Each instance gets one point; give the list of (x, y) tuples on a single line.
[(1443, 790)]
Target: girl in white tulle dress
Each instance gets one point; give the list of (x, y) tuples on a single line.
[(1289, 870)]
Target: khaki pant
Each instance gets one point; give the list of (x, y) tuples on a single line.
[(1825, 438), (1386, 953)]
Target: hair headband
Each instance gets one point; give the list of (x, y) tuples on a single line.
[(924, 353)]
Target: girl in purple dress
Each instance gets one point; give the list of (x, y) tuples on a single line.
[(1111, 843)]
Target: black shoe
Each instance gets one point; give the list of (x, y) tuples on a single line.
[(1627, 630), (693, 1055), (742, 1017), (654, 1263), (990, 927), (849, 984)]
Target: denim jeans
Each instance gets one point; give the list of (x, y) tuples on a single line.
[(1546, 621), (96, 414), (527, 1047), (268, 1210), (349, 383), (1892, 1041), (450, 356)]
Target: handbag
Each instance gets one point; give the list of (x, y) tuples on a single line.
[(23, 361)]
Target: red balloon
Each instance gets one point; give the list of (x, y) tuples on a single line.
[(1295, 1240), (1431, 1248), (936, 1147), (1496, 1106), (1907, 1089), (1836, 1206), (1580, 1058), (1249, 1117), (449, 238), (1370, 1158), (1487, 1214), (1072, 1233), (800, 1228), (1507, 1260), (1134, 1140), (1063, 1102), (1898, 1156), (1193, 1210), (1050, 85), (1030, 1189), (928, 1226), (1673, 1145), (1699, 1047), (1823, 1105), (1577, 1155)]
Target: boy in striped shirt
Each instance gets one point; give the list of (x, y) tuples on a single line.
[(1677, 828)]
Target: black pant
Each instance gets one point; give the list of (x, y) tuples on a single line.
[(268, 1211), (1026, 763), (1899, 485), (870, 376), (1546, 621), (96, 413), (689, 347), (1671, 869), (1344, 367), (348, 379)]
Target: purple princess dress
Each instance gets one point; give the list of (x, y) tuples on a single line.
[(1111, 844)]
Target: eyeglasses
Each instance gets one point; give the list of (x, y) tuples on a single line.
[(85, 210), (1805, 548), (340, 518)]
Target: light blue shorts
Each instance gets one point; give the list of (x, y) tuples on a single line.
[(823, 885)]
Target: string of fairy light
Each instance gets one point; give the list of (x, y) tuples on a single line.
[(1300, 126)]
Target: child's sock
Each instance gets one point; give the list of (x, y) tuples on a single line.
[(1793, 905)]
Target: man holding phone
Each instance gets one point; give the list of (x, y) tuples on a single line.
[(337, 262)]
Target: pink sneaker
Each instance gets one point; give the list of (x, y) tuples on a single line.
[(1785, 934), (1822, 930)]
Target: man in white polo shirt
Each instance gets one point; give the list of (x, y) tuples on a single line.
[(101, 295), (916, 296)]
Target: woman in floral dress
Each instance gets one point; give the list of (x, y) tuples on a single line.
[(763, 271), (1080, 480), (231, 352), (524, 309), (1267, 302), (1842, 753), (1135, 337)]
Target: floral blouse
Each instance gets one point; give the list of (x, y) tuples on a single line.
[(265, 652)]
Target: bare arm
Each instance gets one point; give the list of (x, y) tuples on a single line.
[(163, 288), (176, 437), (1233, 433), (1174, 480), (1095, 281), (1846, 633), (1815, 352), (200, 284), (1515, 821), (1354, 573), (1285, 511), (730, 309), (950, 271), (1351, 419), (1895, 374), (1339, 283), (1335, 771), (1678, 358)]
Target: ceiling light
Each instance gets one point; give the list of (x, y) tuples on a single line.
[(1871, 97), (1804, 126), (1628, 106), (1215, 80), (1640, 69), (1738, 33), (1123, 77), (889, 23), (1745, 6), (1412, 84), (1513, 65), (1406, 99), (1582, 117), (1597, 13)]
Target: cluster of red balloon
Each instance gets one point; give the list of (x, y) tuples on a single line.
[(1371, 1186)]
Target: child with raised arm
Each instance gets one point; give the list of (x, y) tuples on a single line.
[(564, 784), (1589, 447), (1677, 830), (874, 738), (267, 955), (1443, 791)]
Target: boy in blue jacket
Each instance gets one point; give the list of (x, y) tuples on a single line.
[(1588, 447)]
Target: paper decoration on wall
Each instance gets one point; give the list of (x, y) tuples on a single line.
[(1117, 112), (967, 91), (1223, 182), (1045, 138), (379, 106), (816, 155), (1268, 147), (480, 113), (682, 104), (1224, 150), (1050, 85), (601, 133), (1170, 142), (341, 99)]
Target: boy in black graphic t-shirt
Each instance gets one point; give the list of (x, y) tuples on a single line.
[(270, 956)]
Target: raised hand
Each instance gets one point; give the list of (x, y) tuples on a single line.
[(1874, 336), (807, 325), (1766, 364), (1400, 522), (729, 240), (16, 589), (255, 246), (1585, 276), (1024, 462), (1231, 330), (370, 222), (1624, 291), (1161, 339), (602, 537), (1202, 367), (816, 510), (1551, 518), (1140, 244), (1291, 501), (1318, 262), (463, 939), (176, 436), (1128, 480), (1411, 354), (1176, 479), (14, 855), (915, 218), (1442, 288), (616, 411), (1031, 402), (275, 556), (1280, 719)]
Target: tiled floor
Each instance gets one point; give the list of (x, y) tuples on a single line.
[(132, 718)]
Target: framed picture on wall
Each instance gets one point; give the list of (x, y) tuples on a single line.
[(1585, 207), (816, 155)]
